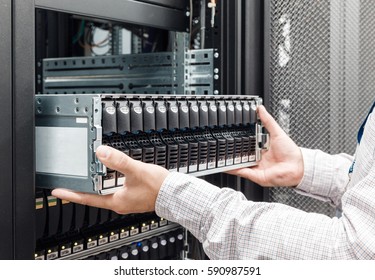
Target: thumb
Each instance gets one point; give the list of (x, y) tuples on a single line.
[(117, 160), (269, 122)]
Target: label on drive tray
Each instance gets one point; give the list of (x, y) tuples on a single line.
[(203, 166), (163, 222), (183, 169), (109, 183), (120, 181), (221, 163), (52, 255), (124, 234), (77, 248), (65, 252), (113, 237), (237, 160), (211, 165), (154, 225), (103, 240), (134, 231), (193, 168), (229, 161), (145, 228), (92, 244)]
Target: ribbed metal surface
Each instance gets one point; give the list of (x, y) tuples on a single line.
[(322, 76)]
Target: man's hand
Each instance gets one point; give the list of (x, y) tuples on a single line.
[(282, 164), (139, 193)]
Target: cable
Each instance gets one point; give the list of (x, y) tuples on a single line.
[(203, 24), (89, 39), (81, 31), (212, 6)]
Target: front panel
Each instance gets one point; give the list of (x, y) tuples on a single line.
[(69, 128)]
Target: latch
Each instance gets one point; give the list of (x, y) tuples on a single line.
[(263, 138), (100, 169)]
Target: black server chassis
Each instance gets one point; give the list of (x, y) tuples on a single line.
[(197, 135)]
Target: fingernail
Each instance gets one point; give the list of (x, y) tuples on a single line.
[(262, 109), (102, 152)]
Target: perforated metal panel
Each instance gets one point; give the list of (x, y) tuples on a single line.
[(322, 76)]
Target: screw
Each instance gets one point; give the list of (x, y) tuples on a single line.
[(216, 55)]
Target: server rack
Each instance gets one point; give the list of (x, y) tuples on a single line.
[(18, 87), (20, 167), (246, 23), (318, 63), (6, 160)]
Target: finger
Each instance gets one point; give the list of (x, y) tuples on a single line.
[(117, 160), (94, 200), (269, 122)]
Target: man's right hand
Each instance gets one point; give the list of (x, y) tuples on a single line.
[(282, 164)]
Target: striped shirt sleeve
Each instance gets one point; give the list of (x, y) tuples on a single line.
[(231, 227), (325, 176)]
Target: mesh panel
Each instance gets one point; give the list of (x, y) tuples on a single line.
[(322, 76)]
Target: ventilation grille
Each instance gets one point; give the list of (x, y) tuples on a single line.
[(322, 76)]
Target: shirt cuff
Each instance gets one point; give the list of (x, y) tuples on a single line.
[(324, 177), (306, 184)]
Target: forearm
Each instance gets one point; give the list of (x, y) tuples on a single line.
[(230, 227), (325, 176)]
